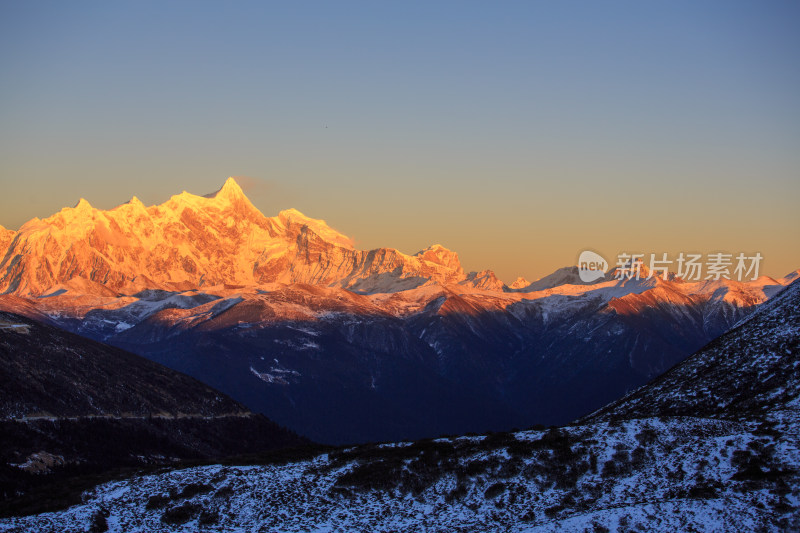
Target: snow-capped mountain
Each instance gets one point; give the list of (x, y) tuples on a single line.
[(711, 446), (345, 345), (198, 241)]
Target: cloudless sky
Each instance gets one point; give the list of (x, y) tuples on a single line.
[(516, 133)]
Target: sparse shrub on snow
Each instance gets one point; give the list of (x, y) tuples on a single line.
[(494, 490), (99, 523), (181, 513), (157, 501)]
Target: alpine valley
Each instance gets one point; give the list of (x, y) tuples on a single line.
[(342, 345)]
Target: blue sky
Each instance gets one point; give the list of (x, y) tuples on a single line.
[(516, 133)]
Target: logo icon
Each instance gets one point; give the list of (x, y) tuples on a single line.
[(591, 266)]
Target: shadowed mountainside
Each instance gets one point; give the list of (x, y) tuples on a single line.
[(70, 406), (753, 368)]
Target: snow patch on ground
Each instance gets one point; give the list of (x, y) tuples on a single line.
[(657, 474)]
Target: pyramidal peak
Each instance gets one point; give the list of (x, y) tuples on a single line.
[(230, 190), (82, 205)]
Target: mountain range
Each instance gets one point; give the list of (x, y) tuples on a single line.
[(712, 445), (190, 242), (344, 345)]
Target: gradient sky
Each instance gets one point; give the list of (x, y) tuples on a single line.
[(515, 133)]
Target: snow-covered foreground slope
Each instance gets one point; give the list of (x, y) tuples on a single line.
[(671, 474), (709, 468)]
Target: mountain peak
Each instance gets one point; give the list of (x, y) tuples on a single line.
[(563, 276), (229, 196), (130, 210), (82, 205), (440, 255), (230, 190), (519, 283), (485, 279)]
